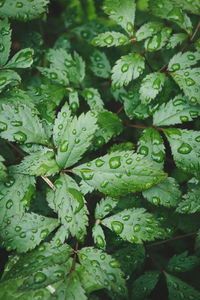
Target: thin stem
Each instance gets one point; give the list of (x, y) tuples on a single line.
[(48, 181), (74, 258), (142, 127), (142, 54), (119, 110), (16, 149)]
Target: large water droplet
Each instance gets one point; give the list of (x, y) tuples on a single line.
[(184, 118), (124, 68), (155, 200), (3, 126), (156, 84), (197, 139), (158, 157), (23, 235), (185, 208), (149, 229), (143, 150), (99, 162), (68, 63), (100, 241), (129, 27), (177, 102), (9, 204), (19, 136), (191, 57), (122, 40), (114, 264), (136, 228), (16, 123), (68, 219), (18, 228), (44, 233), (64, 146), (126, 217), (115, 162), (189, 81), (53, 75), (117, 227), (184, 148), (154, 42), (39, 277), (108, 40), (87, 174), (175, 67)]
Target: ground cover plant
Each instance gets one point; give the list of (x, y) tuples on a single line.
[(99, 149)]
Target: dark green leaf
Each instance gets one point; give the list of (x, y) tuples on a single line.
[(147, 30), (8, 77), (182, 262), (93, 99), (183, 60), (5, 41), (190, 203), (104, 207), (22, 59), (159, 40), (176, 39), (110, 39)]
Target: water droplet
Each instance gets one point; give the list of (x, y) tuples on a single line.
[(64, 146), (122, 40), (114, 264), (74, 131), (9, 204), (126, 217), (2, 47), (77, 196), (156, 84), (99, 141), (18, 228), (158, 157), (59, 273), (125, 68), (100, 241), (143, 150), (185, 208), (77, 141), (99, 162), (60, 126), (175, 15), (2, 81), (193, 113), (53, 75), (134, 239), (154, 42), (23, 235), (39, 277), (104, 184), (129, 161), (107, 207), (10, 182), (114, 162), (193, 99), (184, 118), (189, 81), (16, 123), (68, 219), (19, 5), (117, 227), (100, 66), (44, 233), (102, 256), (149, 229), (129, 27), (136, 228), (184, 148), (177, 102), (19, 136), (175, 67), (197, 139), (108, 40), (191, 57), (68, 63), (87, 174), (156, 200), (3, 126)]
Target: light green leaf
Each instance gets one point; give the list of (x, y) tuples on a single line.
[(183, 60), (23, 10), (70, 205), (144, 285), (15, 195), (100, 64), (104, 207), (17, 97), (127, 68), (55, 74), (147, 30), (76, 139), (110, 39), (103, 268), (3, 173), (185, 148), (151, 85), (158, 41), (176, 111), (5, 41), (134, 225), (38, 163), (98, 236), (151, 146), (22, 59), (120, 173), (175, 40), (190, 203), (93, 99), (60, 236), (182, 262), (188, 80), (122, 12), (178, 289), (191, 6), (8, 77), (166, 193), (21, 125), (26, 232)]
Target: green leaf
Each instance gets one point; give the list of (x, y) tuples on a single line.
[(104, 207), (122, 12), (26, 232), (100, 64), (110, 39), (23, 10), (89, 30), (166, 193), (98, 236), (175, 40), (103, 268), (70, 205), (183, 60), (178, 289), (22, 59), (144, 285), (176, 111), (158, 41), (120, 173), (151, 85), (8, 77), (151, 146), (15, 195), (38, 163), (3, 173), (185, 148), (188, 80), (147, 30), (190, 203), (5, 41), (182, 262), (76, 139), (93, 99), (191, 6), (134, 225), (55, 74), (17, 97), (127, 68)]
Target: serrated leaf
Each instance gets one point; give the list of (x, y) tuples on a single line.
[(23, 10), (188, 80), (103, 268), (15, 195), (17, 97), (178, 289), (98, 236), (151, 85), (151, 146), (182, 262), (3, 172), (21, 125), (38, 163), (122, 12), (158, 41), (26, 232), (76, 139), (144, 285), (89, 30), (183, 60), (120, 173), (166, 193), (104, 207), (127, 146), (176, 111), (100, 64), (191, 6), (134, 225), (147, 30), (127, 68), (190, 203), (5, 41), (70, 205), (110, 39), (60, 236), (185, 148), (93, 99), (175, 40), (8, 77), (22, 59)]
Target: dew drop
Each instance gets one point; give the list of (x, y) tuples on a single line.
[(114, 162), (129, 27), (99, 141), (185, 208), (197, 139), (191, 57), (177, 102), (99, 162), (19, 136), (156, 200), (100, 241), (44, 233), (117, 227), (143, 150), (129, 161), (156, 84), (108, 40), (3, 126), (149, 229), (87, 174), (68, 219), (136, 228), (124, 68), (9, 204), (68, 63), (104, 184), (53, 75), (78, 198), (184, 118), (175, 15), (122, 40), (23, 235), (39, 277), (74, 131), (114, 264), (184, 148), (2, 81), (2, 47), (19, 5), (16, 123), (100, 66), (189, 81), (158, 157), (126, 217), (64, 146), (175, 67), (102, 256), (60, 126), (18, 228)]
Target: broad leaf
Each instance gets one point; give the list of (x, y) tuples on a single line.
[(134, 225), (182, 262), (5, 41), (8, 77), (104, 207), (110, 39), (127, 68), (190, 203), (183, 60), (21, 125), (98, 236), (176, 111), (166, 193), (93, 99), (3, 173), (26, 232), (147, 30), (120, 173), (192, 7), (22, 59), (175, 40), (100, 64), (159, 40), (17, 97)]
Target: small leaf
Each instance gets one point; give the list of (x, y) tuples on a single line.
[(104, 207), (159, 40), (182, 262), (183, 60), (17, 97), (73, 101), (147, 30), (100, 64), (8, 77), (55, 74), (190, 203), (110, 39), (22, 59), (5, 41), (175, 40), (93, 99), (98, 236), (192, 7), (127, 68)]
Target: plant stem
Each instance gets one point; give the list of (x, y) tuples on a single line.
[(74, 258), (48, 181), (143, 127)]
